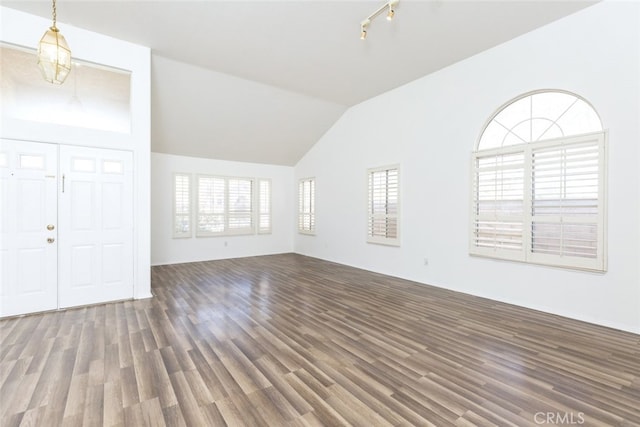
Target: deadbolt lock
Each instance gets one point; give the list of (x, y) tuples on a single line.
[(51, 240), (50, 227)]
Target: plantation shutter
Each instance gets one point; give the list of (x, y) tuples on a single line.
[(211, 205), (240, 213), (567, 202), (543, 203), (264, 206), (498, 204), (382, 218), (181, 205), (306, 206)]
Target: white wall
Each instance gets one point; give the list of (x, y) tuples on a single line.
[(167, 250), (430, 127), (26, 30)]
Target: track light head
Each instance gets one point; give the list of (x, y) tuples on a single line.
[(391, 13), (363, 28)]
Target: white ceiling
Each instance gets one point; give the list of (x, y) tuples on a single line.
[(262, 81)]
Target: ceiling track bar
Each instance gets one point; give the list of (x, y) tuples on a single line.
[(389, 6)]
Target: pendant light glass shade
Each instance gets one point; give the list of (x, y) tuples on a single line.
[(54, 56)]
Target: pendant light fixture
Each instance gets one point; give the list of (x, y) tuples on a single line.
[(54, 55)]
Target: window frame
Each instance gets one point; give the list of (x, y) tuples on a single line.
[(526, 254), (189, 214), (311, 195), (533, 93), (384, 240), (547, 239)]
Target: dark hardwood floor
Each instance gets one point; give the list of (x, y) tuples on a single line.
[(290, 340)]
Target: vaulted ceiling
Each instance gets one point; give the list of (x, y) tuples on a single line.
[(262, 81)]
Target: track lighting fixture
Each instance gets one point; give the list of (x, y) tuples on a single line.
[(389, 6)]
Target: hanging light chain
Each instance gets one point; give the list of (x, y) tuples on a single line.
[(55, 14)]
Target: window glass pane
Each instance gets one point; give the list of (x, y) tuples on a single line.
[(540, 116), (511, 139), (93, 96), (492, 136), (551, 105), (112, 166), (83, 165), (581, 118), (537, 126), (545, 129), (515, 113), (28, 161), (521, 132)]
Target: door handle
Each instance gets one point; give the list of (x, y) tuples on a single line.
[(50, 227), (51, 240)]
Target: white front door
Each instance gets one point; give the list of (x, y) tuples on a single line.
[(28, 227), (96, 222)]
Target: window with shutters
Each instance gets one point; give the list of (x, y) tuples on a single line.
[(306, 206), (538, 191), (264, 206), (181, 205), (383, 206), (224, 206), (240, 214)]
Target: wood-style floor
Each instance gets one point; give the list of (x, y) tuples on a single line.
[(290, 340)]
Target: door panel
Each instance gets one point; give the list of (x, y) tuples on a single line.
[(96, 216), (28, 261)]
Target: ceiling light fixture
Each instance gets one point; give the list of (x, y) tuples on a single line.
[(54, 55), (391, 12)]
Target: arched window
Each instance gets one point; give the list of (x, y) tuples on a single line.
[(539, 183)]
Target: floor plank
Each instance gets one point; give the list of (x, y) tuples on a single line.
[(289, 340)]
